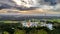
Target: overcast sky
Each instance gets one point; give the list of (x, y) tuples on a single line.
[(11, 3)]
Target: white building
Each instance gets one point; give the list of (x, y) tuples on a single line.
[(36, 24)]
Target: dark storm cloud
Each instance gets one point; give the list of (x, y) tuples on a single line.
[(12, 3), (6, 4), (9, 3), (52, 2)]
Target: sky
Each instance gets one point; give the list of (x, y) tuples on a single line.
[(43, 4)]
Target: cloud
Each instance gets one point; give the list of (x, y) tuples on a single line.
[(27, 5)]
